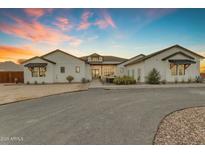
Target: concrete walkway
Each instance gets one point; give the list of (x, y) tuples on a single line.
[(95, 83)]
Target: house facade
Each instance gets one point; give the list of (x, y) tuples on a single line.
[(54, 67), (175, 63), (103, 66)]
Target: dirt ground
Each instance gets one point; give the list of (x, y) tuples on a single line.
[(10, 93)]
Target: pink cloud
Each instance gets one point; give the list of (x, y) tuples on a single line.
[(38, 12), (63, 23), (35, 31), (85, 24), (106, 21)]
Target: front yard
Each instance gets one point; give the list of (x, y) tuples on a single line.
[(12, 93)]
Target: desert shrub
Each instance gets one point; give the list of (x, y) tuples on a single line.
[(28, 82), (84, 80), (153, 77), (189, 80), (163, 81), (176, 80), (35, 82), (125, 80), (69, 78), (198, 79)]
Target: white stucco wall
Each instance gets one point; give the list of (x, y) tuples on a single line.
[(49, 72), (70, 63), (122, 70), (164, 66), (88, 75)]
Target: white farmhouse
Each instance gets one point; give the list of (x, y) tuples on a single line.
[(54, 67), (173, 63)]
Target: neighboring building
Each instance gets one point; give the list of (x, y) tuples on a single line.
[(103, 66), (173, 63), (54, 67), (10, 71)]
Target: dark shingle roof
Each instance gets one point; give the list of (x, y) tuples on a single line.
[(106, 59)]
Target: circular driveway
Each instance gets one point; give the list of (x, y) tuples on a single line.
[(96, 116)]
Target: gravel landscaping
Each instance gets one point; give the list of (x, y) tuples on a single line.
[(186, 126)]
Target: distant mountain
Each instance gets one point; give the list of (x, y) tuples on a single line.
[(10, 66)]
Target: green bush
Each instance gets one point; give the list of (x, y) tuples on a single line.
[(70, 78), (125, 80), (198, 79), (153, 77)]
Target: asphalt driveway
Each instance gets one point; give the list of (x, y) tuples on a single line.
[(95, 116)]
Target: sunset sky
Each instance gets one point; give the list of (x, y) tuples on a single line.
[(25, 33)]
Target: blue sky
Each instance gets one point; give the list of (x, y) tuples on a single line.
[(119, 32)]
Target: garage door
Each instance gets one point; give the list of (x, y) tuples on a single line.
[(9, 77)]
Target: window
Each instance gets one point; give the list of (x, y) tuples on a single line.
[(34, 72), (100, 59), (174, 70), (108, 71), (42, 71), (181, 69), (62, 69), (95, 59), (133, 73), (177, 69), (38, 72), (77, 69)]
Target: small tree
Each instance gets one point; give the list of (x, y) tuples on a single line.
[(69, 78), (153, 77)]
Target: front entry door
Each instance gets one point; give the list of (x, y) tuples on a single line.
[(95, 73)]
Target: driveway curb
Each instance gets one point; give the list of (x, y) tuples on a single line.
[(118, 87)]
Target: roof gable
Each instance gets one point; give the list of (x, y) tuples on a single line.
[(36, 57), (133, 59), (177, 53), (161, 51), (58, 50)]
